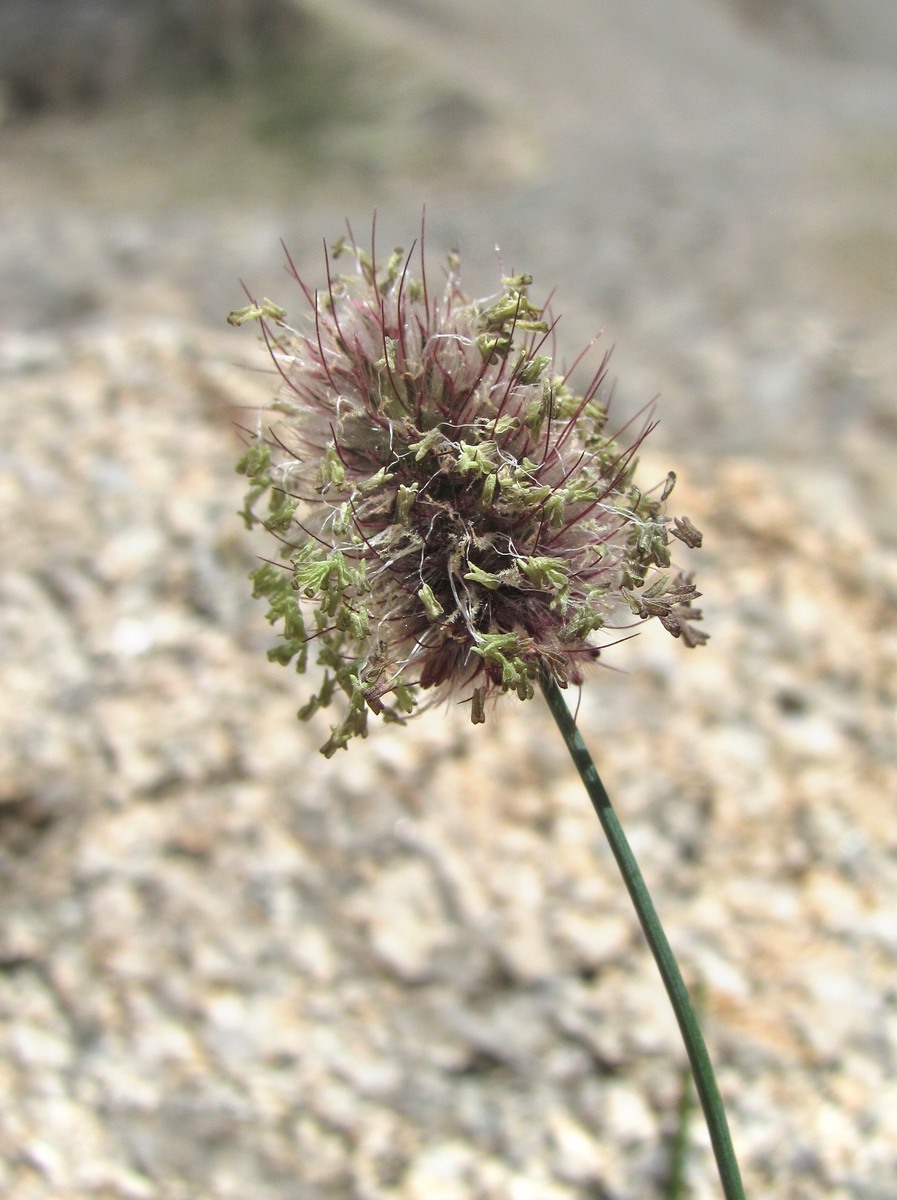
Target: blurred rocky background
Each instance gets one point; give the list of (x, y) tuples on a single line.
[(231, 969)]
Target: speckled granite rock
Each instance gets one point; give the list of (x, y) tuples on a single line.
[(229, 968)]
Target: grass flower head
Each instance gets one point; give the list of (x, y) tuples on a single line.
[(453, 517)]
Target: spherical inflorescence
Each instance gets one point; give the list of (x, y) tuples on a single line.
[(453, 518)]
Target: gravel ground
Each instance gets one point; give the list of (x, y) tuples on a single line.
[(229, 968)]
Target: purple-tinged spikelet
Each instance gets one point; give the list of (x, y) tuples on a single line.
[(452, 517)]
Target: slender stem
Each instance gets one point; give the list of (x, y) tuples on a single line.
[(701, 1068)]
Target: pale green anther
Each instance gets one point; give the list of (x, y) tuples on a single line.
[(353, 621), (476, 456), (503, 650), (390, 345), (488, 493), (270, 309), (564, 401), (585, 620), (284, 653), (545, 572), (580, 491), (497, 643), (293, 622), (404, 698), (537, 412), (359, 578), (267, 581), (377, 480), (404, 502), (633, 601), (308, 710), (354, 722), (338, 740), (485, 579), (554, 509), (658, 588), (256, 312), (282, 508), (516, 283), (357, 691), (552, 575), (513, 308), (490, 344), (652, 542), (505, 424), (596, 414), (312, 573), (431, 439), (519, 490), (329, 601), (342, 519), (432, 607), (327, 688), (254, 465), (331, 472), (282, 606), (354, 725), (393, 269), (534, 368), (255, 461), (288, 405)]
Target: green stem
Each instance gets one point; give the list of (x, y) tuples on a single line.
[(701, 1068)]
